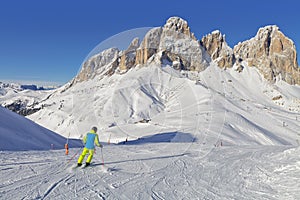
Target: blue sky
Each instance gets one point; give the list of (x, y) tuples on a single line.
[(48, 40)]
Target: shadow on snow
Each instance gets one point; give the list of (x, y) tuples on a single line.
[(174, 137)]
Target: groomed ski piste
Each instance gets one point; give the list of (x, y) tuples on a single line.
[(156, 170), (218, 134)]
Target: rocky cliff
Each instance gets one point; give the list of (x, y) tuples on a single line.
[(181, 47), (102, 63), (149, 46), (217, 48), (174, 44), (128, 57), (272, 53)]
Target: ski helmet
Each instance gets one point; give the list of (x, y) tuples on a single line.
[(94, 129)]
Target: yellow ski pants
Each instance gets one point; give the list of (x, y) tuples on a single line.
[(84, 152)]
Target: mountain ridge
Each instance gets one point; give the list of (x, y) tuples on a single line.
[(180, 47)]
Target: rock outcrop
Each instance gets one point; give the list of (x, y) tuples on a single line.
[(102, 63), (174, 44), (128, 57), (272, 53), (181, 47), (179, 26), (21, 108), (149, 46), (217, 48)]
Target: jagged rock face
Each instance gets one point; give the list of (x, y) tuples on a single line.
[(108, 61), (149, 46), (217, 48), (174, 44), (272, 53), (21, 107), (181, 46), (128, 57), (178, 44), (179, 26), (102, 63), (175, 39)]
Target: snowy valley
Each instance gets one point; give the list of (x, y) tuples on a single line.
[(179, 119)]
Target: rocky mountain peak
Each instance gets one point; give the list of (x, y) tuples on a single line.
[(101, 63), (216, 46), (128, 57), (134, 44), (149, 46), (268, 31), (180, 47), (174, 44), (273, 53), (179, 25)]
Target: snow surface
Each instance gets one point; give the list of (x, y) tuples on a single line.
[(18, 133), (217, 134), (155, 170)]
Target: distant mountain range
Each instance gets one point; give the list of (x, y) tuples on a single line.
[(21, 98)]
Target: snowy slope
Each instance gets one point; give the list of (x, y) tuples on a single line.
[(19, 133), (214, 105), (155, 170)]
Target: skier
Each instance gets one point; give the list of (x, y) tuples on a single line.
[(90, 139)]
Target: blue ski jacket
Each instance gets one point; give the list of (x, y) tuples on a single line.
[(90, 139)]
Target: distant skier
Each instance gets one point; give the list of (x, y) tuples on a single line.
[(90, 139)]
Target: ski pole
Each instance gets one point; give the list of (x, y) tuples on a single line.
[(102, 157), (74, 156)]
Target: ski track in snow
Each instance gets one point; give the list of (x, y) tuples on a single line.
[(145, 171)]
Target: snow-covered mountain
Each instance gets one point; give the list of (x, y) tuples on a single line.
[(22, 98), (174, 83), (158, 82), (215, 105), (19, 133)]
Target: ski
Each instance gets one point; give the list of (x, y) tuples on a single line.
[(76, 167), (85, 166)]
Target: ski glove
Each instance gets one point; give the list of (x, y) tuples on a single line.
[(101, 146)]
